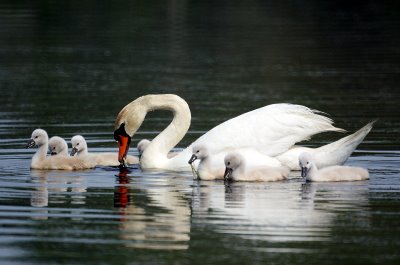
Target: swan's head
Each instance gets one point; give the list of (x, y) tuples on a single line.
[(78, 144), (232, 161), (39, 137), (305, 163), (199, 151), (58, 145), (127, 123), (142, 145)]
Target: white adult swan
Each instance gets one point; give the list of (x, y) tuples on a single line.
[(40, 160), (271, 130), (58, 146), (335, 153), (334, 173), (238, 170), (211, 166), (79, 147)]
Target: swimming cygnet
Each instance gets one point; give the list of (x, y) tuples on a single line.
[(40, 160), (142, 145), (333, 173), (79, 147), (58, 146), (237, 170), (212, 166)]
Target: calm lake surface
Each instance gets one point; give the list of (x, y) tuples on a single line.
[(69, 69)]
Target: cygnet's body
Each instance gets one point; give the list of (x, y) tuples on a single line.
[(142, 145), (79, 147), (212, 166), (40, 160), (333, 173), (58, 146), (238, 170)]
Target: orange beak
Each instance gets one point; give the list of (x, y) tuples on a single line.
[(123, 146)]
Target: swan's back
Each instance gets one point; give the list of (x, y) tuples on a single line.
[(341, 173), (272, 130), (262, 174)]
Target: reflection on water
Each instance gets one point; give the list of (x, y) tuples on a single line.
[(163, 223), (60, 185)]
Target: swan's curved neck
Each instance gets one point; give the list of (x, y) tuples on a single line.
[(156, 152)]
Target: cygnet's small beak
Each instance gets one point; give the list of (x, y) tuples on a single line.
[(303, 172), (73, 151), (228, 174), (31, 143), (192, 159), (53, 153)]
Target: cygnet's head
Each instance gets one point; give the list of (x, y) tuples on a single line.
[(199, 151), (142, 145), (78, 144), (58, 146), (305, 163), (39, 137), (232, 161)]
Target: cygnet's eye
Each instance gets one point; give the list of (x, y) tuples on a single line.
[(36, 137), (77, 144), (229, 163), (308, 162), (54, 148), (197, 151)]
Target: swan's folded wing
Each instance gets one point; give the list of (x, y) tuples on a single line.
[(272, 129)]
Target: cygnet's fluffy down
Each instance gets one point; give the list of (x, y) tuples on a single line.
[(40, 160), (237, 170), (212, 166), (58, 146), (79, 147), (333, 173)]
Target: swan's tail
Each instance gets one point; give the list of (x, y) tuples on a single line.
[(338, 152)]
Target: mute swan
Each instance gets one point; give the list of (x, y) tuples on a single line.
[(334, 173), (335, 153), (142, 145), (271, 130), (40, 160), (212, 166), (58, 146), (238, 170), (79, 147)]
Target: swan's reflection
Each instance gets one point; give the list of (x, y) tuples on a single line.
[(279, 211), (55, 187), (156, 216)]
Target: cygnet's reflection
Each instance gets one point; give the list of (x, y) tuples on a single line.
[(154, 213), (56, 187), (284, 211)]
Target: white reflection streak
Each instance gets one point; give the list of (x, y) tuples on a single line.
[(168, 230), (56, 183), (276, 212)]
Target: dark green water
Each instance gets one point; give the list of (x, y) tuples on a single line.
[(70, 67)]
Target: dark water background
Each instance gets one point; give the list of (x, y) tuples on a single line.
[(69, 67)]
